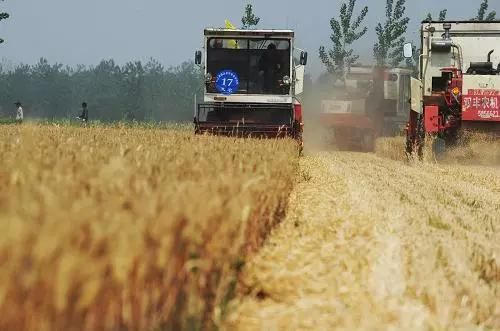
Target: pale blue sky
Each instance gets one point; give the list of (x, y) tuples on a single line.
[(86, 31)]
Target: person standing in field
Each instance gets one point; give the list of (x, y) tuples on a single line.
[(19, 112), (85, 113)]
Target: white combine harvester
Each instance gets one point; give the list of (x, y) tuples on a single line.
[(251, 83)]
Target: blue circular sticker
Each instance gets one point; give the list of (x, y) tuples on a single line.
[(227, 82)]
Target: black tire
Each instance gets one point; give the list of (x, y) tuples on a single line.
[(438, 147)]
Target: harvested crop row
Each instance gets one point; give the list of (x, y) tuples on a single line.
[(127, 228), (373, 244), (473, 149)]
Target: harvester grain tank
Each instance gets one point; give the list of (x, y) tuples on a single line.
[(252, 80), (459, 83)]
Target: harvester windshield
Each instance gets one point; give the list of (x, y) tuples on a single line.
[(261, 64)]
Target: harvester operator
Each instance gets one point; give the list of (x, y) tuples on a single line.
[(270, 66)]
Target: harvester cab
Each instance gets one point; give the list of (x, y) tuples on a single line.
[(459, 83), (252, 82)]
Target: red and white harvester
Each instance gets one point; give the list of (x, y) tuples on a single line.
[(459, 83)]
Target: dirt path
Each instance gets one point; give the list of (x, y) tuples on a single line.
[(375, 244)]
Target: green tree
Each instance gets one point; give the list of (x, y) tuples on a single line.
[(133, 79), (482, 13), (249, 20), (391, 35), (442, 16), (52, 93), (181, 85), (3, 16), (154, 74), (345, 31)]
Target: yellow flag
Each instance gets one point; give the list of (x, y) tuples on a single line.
[(231, 43), (230, 25)]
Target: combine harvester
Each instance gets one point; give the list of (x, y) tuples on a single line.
[(459, 85), (373, 102), (251, 83)]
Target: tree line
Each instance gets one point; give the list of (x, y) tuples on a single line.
[(148, 91), (133, 91)]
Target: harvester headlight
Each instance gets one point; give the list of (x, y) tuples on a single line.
[(455, 91), (286, 80), (208, 77)]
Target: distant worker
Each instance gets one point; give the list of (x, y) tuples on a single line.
[(85, 113), (19, 112), (270, 65)]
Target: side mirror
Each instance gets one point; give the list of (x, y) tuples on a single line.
[(408, 51), (197, 57), (303, 58)]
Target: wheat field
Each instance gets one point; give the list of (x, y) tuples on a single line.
[(370, 243), (130, 228), (152, 228)]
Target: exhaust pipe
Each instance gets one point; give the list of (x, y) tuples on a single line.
[(447, 28), (489, 55)]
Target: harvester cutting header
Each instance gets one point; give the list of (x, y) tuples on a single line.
[(459, 86), (251, 83)]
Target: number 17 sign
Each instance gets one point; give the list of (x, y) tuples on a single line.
[(227, 82)]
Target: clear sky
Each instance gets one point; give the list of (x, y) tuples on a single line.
[(86, 31)]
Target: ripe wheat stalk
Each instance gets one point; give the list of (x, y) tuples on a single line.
[(130, 228)]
